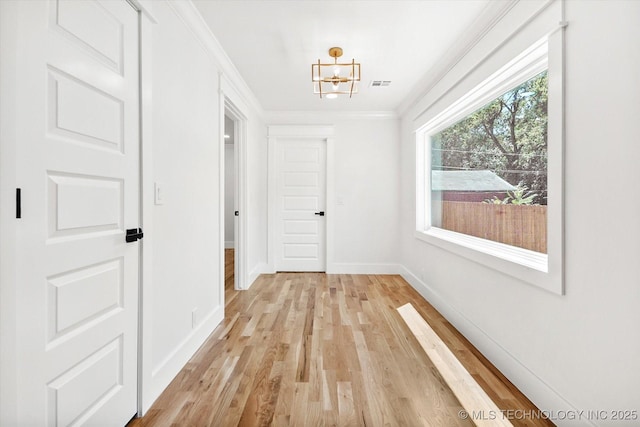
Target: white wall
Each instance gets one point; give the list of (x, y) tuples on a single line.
[(185, 239), (580, 351), (256, 209), (366, 174), (367, 180), (183, 288)]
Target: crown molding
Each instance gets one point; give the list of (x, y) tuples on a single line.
[(192, 18), (490, 16), (312, 116)]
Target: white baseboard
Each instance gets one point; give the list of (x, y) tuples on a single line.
[(539, 392), (256, 272), (166, 371), (347, 268), (336, 268), (354, 268), (229, 244)]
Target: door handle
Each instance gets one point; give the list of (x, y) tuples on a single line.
[(236, 213), (321, 213), (133, 235)]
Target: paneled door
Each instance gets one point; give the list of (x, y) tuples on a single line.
[(300, 199), (77, 142)]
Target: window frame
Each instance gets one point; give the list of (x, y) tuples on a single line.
[(542, 270)]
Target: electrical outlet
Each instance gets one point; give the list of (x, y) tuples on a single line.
[(194, 318)]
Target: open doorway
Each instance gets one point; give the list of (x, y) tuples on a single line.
[(229, 203), (234, 198)]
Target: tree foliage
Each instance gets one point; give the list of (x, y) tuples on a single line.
[(519, 196), (507, 136)]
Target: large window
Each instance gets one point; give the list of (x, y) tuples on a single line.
[(489, 170)]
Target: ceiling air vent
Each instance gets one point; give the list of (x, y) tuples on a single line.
[(380, 83)]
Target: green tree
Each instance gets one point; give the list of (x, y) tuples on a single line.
[(519, 196), (507, 136)]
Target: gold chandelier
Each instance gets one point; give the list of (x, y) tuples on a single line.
[(335, 79)]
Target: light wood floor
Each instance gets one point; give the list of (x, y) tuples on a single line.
[(309, 349)]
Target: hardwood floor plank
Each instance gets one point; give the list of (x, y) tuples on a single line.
[(346, 411), (309, 349), (469, 393), (299, 405)]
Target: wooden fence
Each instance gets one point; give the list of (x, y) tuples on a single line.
[(517, 225)]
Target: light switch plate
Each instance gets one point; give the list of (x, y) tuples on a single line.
[(158, 193)]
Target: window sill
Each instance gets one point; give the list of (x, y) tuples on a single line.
[(528, 266)]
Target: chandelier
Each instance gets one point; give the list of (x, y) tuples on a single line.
[(335, 79)]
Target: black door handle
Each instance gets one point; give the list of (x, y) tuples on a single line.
[(236, 213), (321, 213), (133, 235)]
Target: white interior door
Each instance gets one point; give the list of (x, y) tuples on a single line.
[(301, 198), (78, 167)]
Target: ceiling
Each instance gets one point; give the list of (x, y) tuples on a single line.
[(272, 43)]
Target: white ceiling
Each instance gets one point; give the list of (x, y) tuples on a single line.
[(273, 43)]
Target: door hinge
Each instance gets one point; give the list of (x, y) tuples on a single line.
[(18, 203)]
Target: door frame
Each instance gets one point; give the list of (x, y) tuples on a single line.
[(278, 133), (240, 197), (231, 104), (146, 22)]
